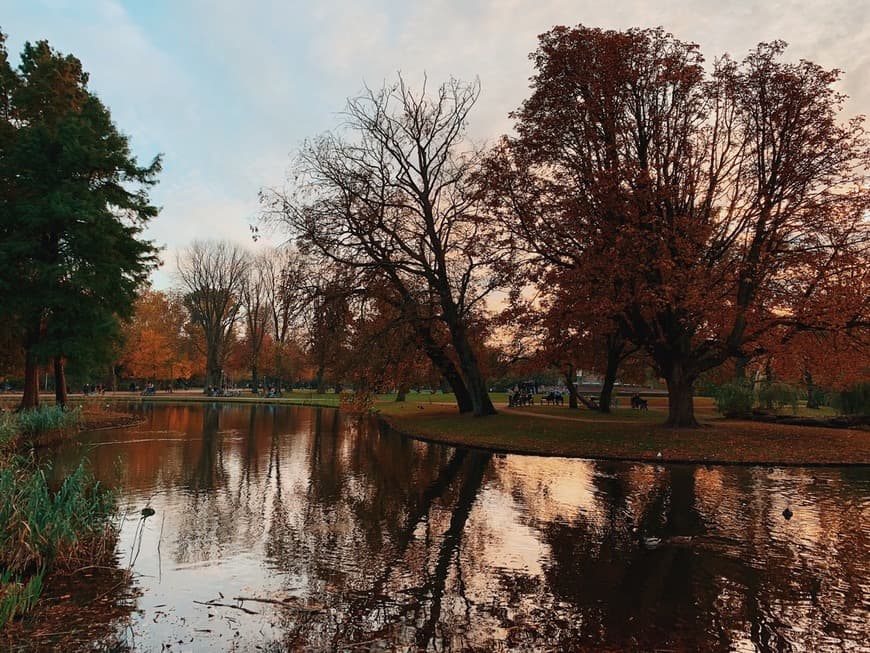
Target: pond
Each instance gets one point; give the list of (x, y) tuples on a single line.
[(288, 528)]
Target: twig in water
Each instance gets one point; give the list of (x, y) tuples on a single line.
[(226, 605), (283, 604), (159, 558)]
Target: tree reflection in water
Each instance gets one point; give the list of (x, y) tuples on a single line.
[(364, 536)]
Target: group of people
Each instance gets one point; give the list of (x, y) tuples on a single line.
[(91, 389), (223, 391), (524, 395), (517, 397)]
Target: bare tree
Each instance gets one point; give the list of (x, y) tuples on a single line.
[(394, 197), (288, 284), (213, 275), (257, 309)]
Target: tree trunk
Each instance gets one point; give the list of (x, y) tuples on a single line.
[(30, 399), (254, 378), (740, 368), (60, 397), (402, 391), (445, 365), (458, 387), (480, 401), (212, 369), (812, 396), (572, 387), (614, 355), (681, 407), (605, 397)]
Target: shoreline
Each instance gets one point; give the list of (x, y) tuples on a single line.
[(626, 436), (720, 442), (616, 459)]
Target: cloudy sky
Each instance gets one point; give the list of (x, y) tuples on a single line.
[(227, 90)]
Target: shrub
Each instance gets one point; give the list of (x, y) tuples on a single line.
[(854, 401), (777, 395), (734, 399)]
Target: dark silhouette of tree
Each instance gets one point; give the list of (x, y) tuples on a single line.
[(395, 198)]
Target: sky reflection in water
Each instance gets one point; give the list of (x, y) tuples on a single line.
[(349, 534)]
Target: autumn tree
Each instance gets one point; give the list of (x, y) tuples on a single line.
[(393, 195), (823, 355), (213, 275), (698, 211), (73, 204), (154, 338), (384, 352), (556, 328)]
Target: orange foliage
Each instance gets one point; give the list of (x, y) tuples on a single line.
[(156, 346)]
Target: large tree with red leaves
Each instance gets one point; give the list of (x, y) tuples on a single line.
[(699, 211)]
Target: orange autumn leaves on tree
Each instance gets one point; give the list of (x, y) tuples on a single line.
[(155, 343)]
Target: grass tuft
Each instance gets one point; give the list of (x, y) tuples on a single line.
[(42, 529)]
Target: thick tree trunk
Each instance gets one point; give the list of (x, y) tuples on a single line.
[(681, 407), (458, 387), (30, 399), (60, 397), (445, 365), (740, 368), (402, 392), (614, 354), (572, 387), (213, 368), (605, 397), (255, 379), (481, 403), (812, 395)]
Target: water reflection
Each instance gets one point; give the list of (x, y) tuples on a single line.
[(349, 534)]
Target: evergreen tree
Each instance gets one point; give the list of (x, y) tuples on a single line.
[(73, 204)]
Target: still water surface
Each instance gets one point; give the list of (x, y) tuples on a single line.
[(354, 538)]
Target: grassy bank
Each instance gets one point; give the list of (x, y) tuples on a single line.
[(45, 531), (631, 435), (623, 434)]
